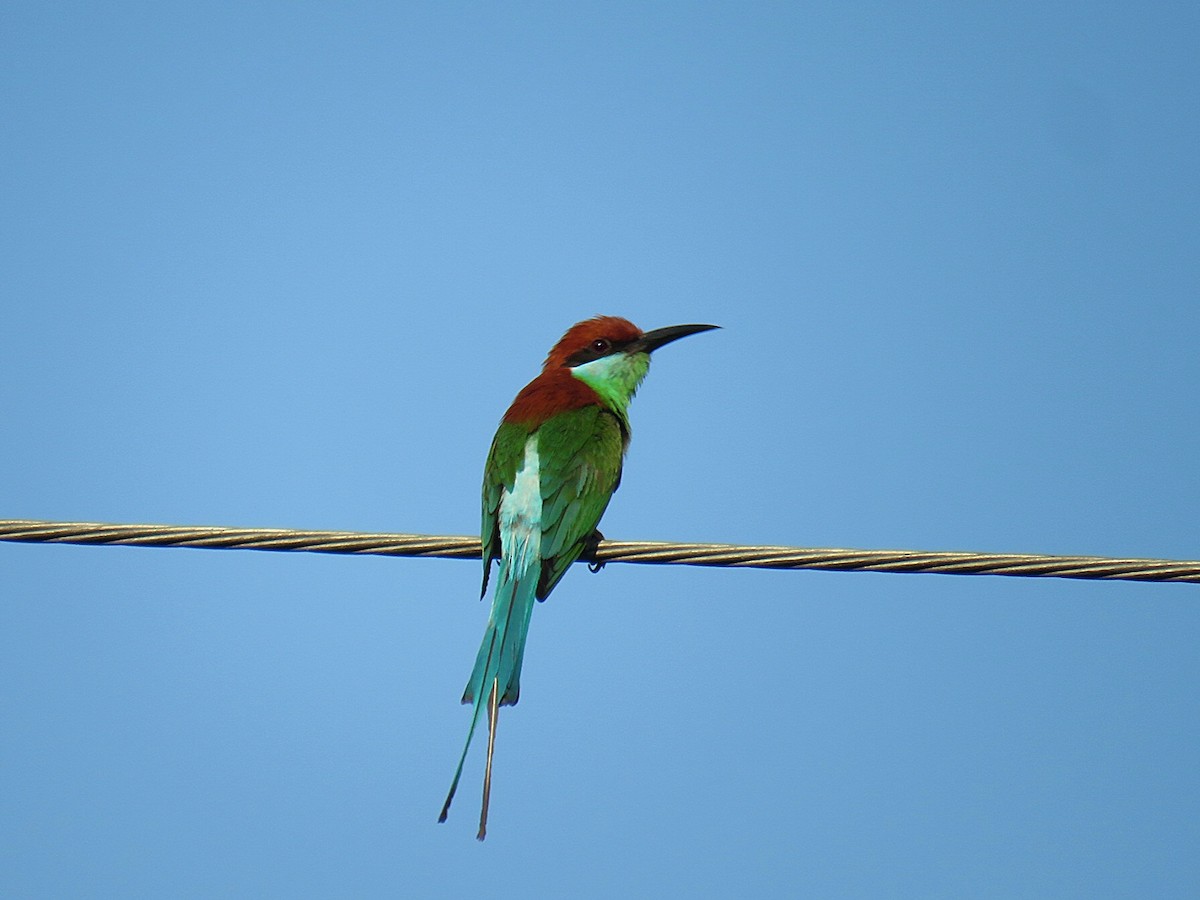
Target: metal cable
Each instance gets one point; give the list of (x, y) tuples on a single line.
[(463, 547)]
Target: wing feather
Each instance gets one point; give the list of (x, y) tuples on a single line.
[(500, 474), (587, 446)]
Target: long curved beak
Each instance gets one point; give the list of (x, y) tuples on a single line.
[(652, 340)]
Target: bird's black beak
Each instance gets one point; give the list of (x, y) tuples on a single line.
[(652, 340)]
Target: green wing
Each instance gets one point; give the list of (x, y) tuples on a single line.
[(580, 454), (508, 450)]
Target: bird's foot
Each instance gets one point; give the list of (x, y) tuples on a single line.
[(590, 546)]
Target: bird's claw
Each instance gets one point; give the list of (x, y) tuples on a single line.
[(590, 546)]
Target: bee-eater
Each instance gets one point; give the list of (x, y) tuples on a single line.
[(554, 464)]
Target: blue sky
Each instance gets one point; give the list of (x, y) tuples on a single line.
[(286, 265)]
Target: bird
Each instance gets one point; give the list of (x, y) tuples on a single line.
[(552, 468)]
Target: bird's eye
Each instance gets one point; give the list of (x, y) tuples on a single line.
[(600, 345)]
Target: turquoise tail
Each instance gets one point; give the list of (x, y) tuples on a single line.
[(499, 659)]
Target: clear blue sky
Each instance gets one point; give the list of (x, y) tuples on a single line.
[(286, 265)]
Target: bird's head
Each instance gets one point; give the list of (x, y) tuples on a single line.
[(612, 355)]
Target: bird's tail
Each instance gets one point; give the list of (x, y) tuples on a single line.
[(496, 678)]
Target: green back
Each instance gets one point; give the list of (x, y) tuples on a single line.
[(580, 454)]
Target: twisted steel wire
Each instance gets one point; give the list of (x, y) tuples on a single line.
[(464, 547)]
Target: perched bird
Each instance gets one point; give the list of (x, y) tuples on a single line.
[(554, 464)]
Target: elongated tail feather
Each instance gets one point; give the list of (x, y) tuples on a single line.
[(489, 642), (498, 663), (493, 720)]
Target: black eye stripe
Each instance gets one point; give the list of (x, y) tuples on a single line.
[(595, 350)]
